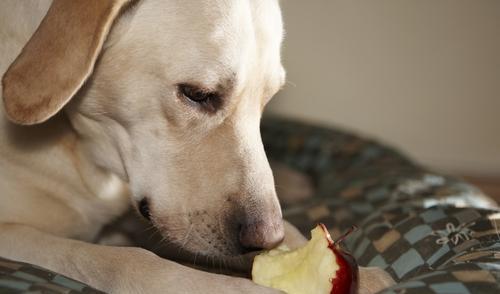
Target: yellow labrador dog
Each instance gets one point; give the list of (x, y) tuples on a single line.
[(157, 101)]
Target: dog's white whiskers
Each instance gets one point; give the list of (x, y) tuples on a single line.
[(240, 260), (224, 264), (162, 243), (186, 238), (195, 255), (149, 228), (183, 243), (151, 236)]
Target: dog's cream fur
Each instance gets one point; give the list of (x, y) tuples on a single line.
[(126, 132), (128, 129)]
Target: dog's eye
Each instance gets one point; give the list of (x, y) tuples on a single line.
[(207, 100), (195, 94)]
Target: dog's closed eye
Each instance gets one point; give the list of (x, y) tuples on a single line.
[(206, 100)]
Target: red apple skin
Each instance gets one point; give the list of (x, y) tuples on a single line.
[(346, 278)]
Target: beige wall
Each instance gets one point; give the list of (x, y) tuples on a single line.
[(423, 75)]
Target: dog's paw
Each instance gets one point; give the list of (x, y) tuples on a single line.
[(373, 279), (222, 284), (249, 287)]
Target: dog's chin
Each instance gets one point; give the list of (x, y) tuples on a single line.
[(227, 260), (211, 254), (226, 264)]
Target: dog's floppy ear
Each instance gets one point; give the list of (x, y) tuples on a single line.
[(57, 59)]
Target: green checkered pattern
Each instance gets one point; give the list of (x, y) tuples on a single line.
[(433, 233), (18, 277)]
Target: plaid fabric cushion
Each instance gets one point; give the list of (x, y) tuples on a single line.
[(18, 277), (433, 233)]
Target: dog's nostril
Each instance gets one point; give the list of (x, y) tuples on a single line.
[(144, 208)]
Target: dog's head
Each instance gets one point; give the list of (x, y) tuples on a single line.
[(168, 95)]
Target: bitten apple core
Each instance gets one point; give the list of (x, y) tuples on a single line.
[(320, 267)]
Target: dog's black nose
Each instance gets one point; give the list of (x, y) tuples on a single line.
[(261, 235), (143, 206)]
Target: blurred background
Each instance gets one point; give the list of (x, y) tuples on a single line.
[(421, 75)]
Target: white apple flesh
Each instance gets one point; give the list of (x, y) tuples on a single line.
[(320, 267)]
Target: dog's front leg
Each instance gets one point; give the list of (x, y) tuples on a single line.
[(114, 269)]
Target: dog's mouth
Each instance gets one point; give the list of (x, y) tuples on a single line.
[(198, 238), (224, 260), (240, 265), (200, 245)]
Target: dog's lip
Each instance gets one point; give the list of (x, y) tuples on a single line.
[(240, 265), (244, 262), (231, 264)]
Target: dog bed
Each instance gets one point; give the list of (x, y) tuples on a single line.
[(433, 233)]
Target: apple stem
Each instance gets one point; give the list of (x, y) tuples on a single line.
[(342, 237)]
